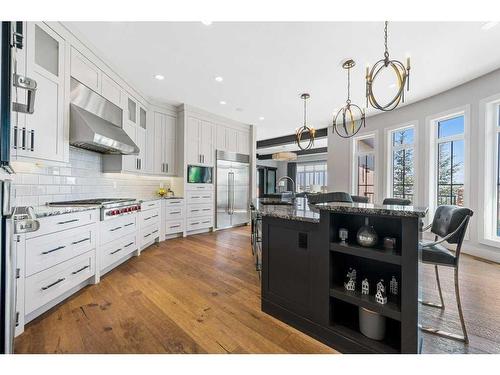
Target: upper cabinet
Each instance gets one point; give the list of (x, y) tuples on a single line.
[(85, 71), (200, 139), (42, 135), (111, 90), (232, 140), (164, 144)]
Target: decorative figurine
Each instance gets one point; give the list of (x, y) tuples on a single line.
[(365, 287), (350, 280), (343, 234), (393, 286), (389, 243), (367, 236), (381, 295)]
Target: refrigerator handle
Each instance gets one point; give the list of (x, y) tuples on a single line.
[(230, 192), (228, 208), (232, 188)]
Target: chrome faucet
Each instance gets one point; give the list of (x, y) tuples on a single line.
[(287, 178)]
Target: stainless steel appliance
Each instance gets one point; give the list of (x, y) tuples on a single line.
[(233, 193), (96, 123), (110, 207)]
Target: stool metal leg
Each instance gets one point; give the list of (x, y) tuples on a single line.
[(435, 331), (434, 304)]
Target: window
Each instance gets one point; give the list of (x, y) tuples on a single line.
[(402, 163), (364, 158), (311, 177), (450, 160)]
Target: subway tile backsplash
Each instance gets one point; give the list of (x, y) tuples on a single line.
[(35, 184)]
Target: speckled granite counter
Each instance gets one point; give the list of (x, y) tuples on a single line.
[(300, 210), (373, 209), (44, 211)]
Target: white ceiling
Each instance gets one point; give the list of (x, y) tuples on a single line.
[(318, 143), (266, 66)]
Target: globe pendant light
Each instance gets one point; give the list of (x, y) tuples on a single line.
[(402, 76), (305, 130), (350, 118)]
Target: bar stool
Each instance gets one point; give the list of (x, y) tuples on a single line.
[(396, 202), (359, 199), (336, 196), (449, 224)]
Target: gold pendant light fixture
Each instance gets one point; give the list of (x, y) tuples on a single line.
[(350, 118), (402, 75), (305, 131)]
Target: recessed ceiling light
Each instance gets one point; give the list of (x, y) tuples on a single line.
[(261, 118), (219, 79), (222, 102), (206, 23), (489, 25), (159, 77)]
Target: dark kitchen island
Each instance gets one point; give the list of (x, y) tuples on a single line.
[(304, 266)]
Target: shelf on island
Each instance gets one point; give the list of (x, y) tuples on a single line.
[(381, 255), (390, 309), (374, 345)]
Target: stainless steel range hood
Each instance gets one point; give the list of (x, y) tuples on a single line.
[(96, 123)]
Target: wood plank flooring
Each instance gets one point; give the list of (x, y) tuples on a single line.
[(200, 294)]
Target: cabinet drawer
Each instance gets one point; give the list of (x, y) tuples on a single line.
[(198, 210), (150, 205), (149, 217), (51, 283), (47, 251), (114, 251), (199, 187), (57, 223), (174, 226), (174, 202), (148, 235), (116, 228), (199, 223), (200, 197), (174, 212)]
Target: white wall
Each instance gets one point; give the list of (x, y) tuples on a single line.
[(469, 94), (35, 184)]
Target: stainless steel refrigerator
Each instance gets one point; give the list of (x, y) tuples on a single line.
[(233, 189)]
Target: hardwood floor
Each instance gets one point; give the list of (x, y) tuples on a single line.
[(200, 294)]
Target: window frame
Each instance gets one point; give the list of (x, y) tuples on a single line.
[(433, 141), (389, 158), (354, 163), (313, 164)]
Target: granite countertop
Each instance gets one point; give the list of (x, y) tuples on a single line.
[(373, 209), (155, 198), (300, 210), (44, 211)]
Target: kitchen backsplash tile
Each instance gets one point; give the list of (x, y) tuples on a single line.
[(83, 178)]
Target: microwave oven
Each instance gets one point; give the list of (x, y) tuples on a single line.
[(199, 175)]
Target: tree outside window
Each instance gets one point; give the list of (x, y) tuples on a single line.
[(403, 169)]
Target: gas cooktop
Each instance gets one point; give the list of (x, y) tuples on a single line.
[(93, 202)]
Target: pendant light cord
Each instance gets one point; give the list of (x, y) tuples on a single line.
[(386, 53), (305, 112), (348, 85)]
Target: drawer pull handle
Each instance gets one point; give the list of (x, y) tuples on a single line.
[(147, 218), (195, 223), (205, 222), (77, 242), (155, 215), (51, 251), (206, 209), (175, 226), (129, 224), (151, 205), (206, 196), (113, 229), (54, 283), (175, 212), (79, 270), (155, 231), (129, 244), (68, 221), (195, 210), (147, 235), (114, 252)]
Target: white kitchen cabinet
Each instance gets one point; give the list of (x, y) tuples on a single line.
[(41, 135), (85, 71), (200, 142), (243, 142), (129, 162), (111, 90), (140, 141), (164, 144), (231, 140)]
